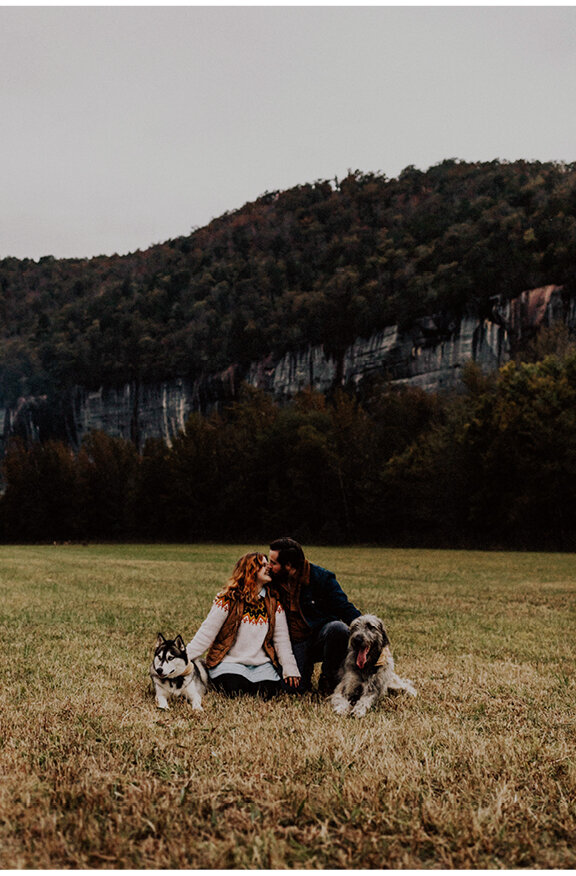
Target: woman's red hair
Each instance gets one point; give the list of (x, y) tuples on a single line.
[(242, 583)]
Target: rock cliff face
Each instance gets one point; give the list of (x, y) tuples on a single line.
[(430, 355)]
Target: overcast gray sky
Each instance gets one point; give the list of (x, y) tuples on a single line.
[(121, 127)]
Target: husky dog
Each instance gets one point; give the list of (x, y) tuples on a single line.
[(175, 675), (368, 670)]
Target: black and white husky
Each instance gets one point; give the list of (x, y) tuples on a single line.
[(175, 675), (368, 673)]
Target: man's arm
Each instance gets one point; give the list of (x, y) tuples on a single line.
[(333, 597)]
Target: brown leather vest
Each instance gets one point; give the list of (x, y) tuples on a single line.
[(227, 634)]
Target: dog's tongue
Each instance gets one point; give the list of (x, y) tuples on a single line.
[(362, 657)]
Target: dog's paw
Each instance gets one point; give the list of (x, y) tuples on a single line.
[(407, 688), (397, 686), (340, 705), (359, 711), (341, 709), (164, 706)]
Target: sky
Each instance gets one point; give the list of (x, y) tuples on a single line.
[(122, 127)]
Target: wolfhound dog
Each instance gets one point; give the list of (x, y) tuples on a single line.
[(174, 675), (368, 670)]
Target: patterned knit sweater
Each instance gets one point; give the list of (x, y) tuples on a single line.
[(247, 650)]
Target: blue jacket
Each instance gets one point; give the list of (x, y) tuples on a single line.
[(323, 600)]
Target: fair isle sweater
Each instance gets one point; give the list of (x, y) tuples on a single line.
[(247, 656)]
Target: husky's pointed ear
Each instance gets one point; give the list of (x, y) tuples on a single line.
[(160, 640), (179, 642)]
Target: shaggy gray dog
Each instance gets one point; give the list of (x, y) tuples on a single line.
[(368, 671)]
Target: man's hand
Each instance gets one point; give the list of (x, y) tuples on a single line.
[(292, 681)]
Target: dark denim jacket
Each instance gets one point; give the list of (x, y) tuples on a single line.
[(323, 600)]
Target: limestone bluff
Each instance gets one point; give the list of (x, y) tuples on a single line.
[(430, 354)]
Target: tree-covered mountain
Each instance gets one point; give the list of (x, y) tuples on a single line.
[(321, 263)]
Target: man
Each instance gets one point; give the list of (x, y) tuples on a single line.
[(317, 609)]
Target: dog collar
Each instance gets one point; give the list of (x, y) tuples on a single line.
[(385, 655), (179, 679), (178, 682)]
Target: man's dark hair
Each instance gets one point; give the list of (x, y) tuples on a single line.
[(289, 551)]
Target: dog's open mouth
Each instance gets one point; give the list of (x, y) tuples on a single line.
[(362, 657)]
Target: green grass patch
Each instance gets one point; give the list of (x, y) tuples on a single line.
[(478, 772)]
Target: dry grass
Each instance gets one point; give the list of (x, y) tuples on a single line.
[(478, 772)]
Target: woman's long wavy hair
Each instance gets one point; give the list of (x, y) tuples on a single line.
[(242, 584)]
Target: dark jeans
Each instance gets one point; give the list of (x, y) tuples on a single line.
[(232, 685), (327, 645)]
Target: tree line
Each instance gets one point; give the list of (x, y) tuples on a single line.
[(494, 466), (321, 263)]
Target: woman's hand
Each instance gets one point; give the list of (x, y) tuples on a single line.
[(292, 681)]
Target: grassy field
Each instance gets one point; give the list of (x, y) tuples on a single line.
[(478, 772)]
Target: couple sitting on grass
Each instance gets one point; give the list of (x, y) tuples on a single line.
[(273, 621)]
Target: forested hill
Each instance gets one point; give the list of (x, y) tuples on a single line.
[(321, 263)]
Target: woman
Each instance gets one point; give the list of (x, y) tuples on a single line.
[(246, 634)]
